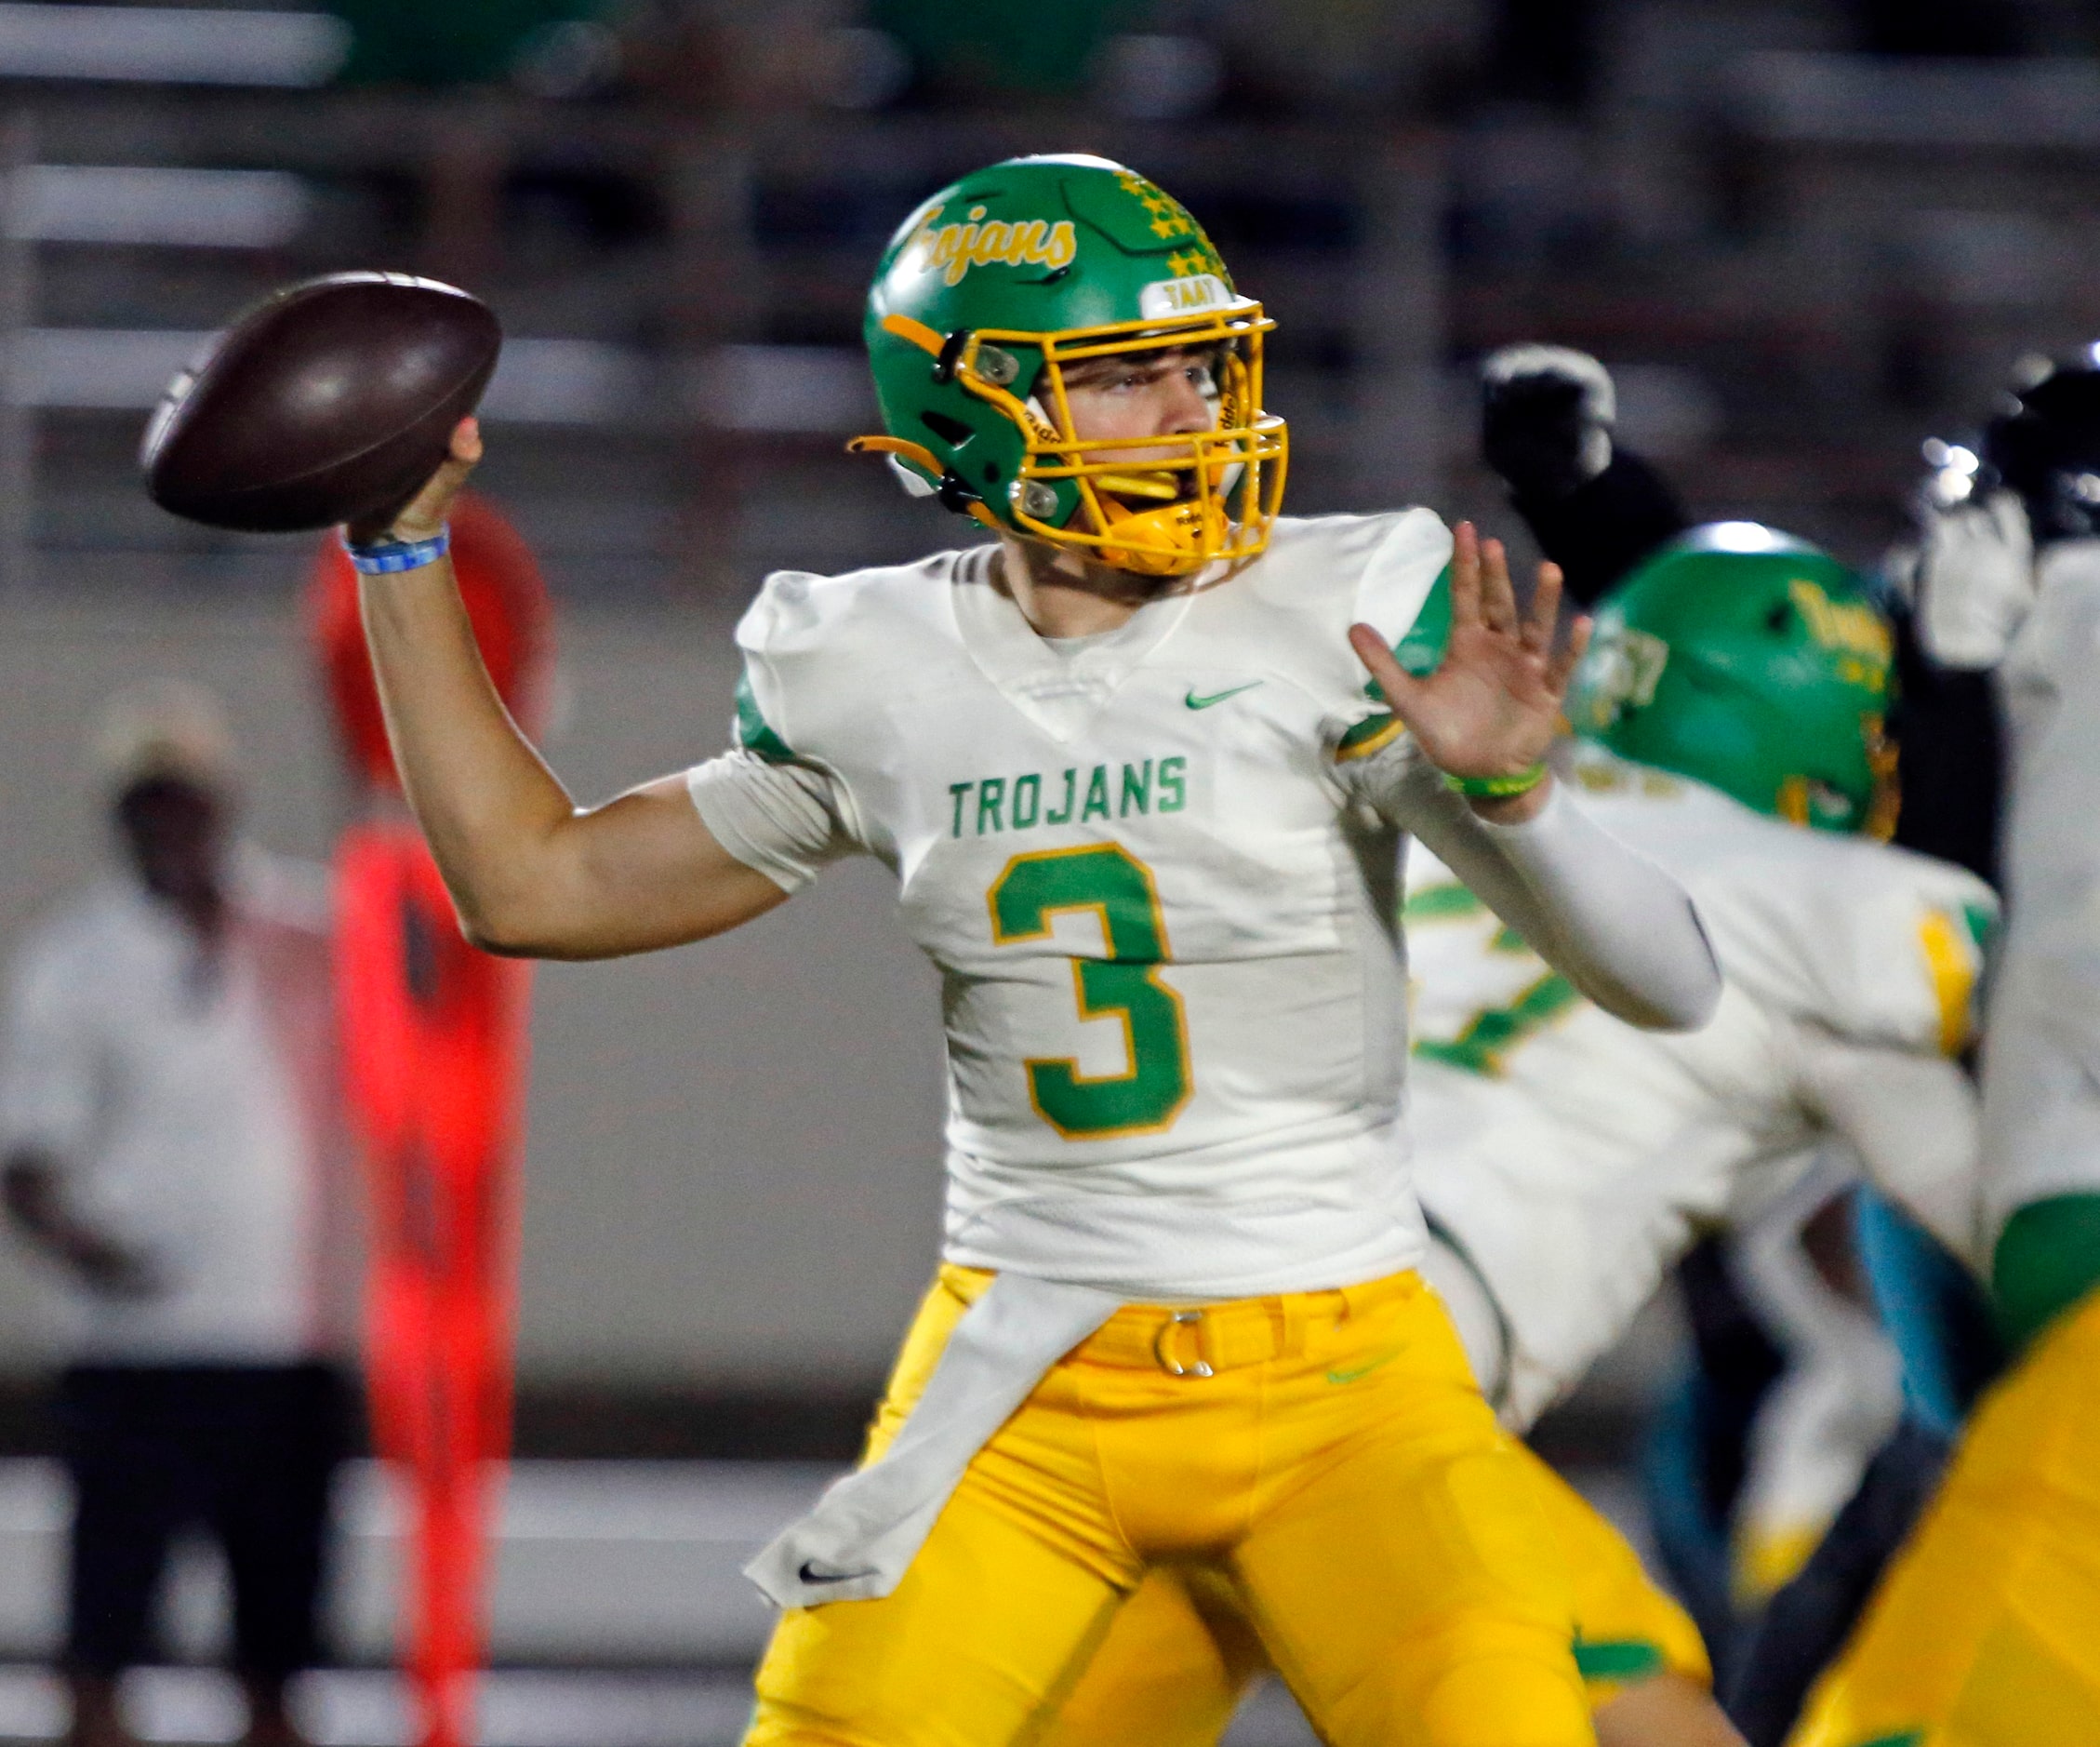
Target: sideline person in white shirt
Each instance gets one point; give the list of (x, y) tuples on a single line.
[(167, 1134)]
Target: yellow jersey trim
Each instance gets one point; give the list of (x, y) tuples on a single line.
[(1954, 977), (1378, 740)]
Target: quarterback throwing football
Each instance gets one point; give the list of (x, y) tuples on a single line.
[(1144, 814)]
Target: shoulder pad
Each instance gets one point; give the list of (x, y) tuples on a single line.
[(1376, 569), (805, 637), (1393, 596), (1878, 944)]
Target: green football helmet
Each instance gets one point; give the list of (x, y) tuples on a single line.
[(1753, 662), (993, 289)]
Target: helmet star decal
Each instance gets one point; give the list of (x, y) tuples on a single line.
[(1170, 218), (1195, 261)]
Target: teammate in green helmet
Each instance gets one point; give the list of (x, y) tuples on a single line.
[(1752, 661), (1012, 289)]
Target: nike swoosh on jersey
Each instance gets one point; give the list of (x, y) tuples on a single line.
[(810, 1574), (1352, 1373), (1195, 703)]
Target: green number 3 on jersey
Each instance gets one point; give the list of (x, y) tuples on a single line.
[(1118, 887)]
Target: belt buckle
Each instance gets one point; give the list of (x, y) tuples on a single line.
[(1168, 1363)]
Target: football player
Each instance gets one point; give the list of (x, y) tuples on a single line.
[(1597, 508), (1143, 819), (1548, 416), (1982, 1629), (1730, 714)]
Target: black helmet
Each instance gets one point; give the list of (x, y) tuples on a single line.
[(2046, 446)]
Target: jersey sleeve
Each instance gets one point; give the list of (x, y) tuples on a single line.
[(1914, 1120), (783, 819), (1885, 950), (47, 1070), (1950, 940), (774, 636), (1404, 595), (771, 803)]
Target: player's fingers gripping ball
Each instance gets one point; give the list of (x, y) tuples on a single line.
[(428, 510), (1013, 297)]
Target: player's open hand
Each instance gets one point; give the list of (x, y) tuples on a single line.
[(428, 509), (1492, 706)]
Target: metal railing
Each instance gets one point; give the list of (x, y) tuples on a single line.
[(719, 340)]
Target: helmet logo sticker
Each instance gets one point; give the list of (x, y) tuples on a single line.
[(1839, 625), (1630, 665), (1856, 630), (1177, 297), (953, 249)]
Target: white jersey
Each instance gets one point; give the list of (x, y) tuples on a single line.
[(2042, 1071), (1572, 1159), (189, 1107), (1157, 872), (1162, 904)]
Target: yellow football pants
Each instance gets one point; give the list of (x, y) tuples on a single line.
[(1986, 1631), (1337, 1465), (1182, 1651)]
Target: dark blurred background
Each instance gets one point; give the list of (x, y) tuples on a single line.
[(1803, 235)]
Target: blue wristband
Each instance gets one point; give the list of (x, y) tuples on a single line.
[(383, 557)]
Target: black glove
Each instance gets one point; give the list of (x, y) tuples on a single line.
[(1545, 427), (1545, 420)]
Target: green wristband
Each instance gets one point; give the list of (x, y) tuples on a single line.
[(1497, 788)]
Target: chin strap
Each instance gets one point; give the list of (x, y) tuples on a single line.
[(918, 453), (953, 493)]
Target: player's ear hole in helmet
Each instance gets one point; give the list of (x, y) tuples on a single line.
[(1752, 661), (1004, 296)]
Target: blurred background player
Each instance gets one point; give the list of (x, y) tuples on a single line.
[(170, 1133), (1548, 417), (1729, 717), (1547, 427), (1598, 509), (1982, 1629)]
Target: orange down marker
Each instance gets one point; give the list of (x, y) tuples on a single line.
[(433, 1040)]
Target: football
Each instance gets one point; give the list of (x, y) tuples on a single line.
[(331, 401)]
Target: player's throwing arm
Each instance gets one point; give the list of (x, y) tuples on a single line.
[(530, 872)]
